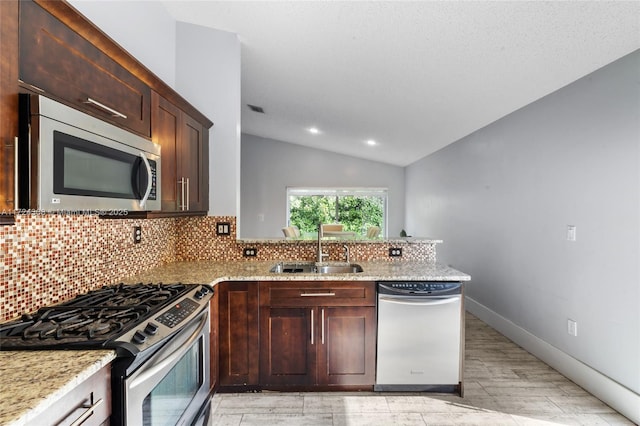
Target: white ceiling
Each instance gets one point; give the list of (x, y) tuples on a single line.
[(414, 76)]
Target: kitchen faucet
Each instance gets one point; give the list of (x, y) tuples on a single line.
[(346, 253), (321, 255)]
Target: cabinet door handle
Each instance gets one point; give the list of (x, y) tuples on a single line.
[(106, 108), (317, 294), (90, 409), (181, 202), (15, 173), (322, 325), (312, 326), (187, 205)]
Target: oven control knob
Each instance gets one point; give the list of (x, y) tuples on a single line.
[(199, 294), (139, 337), (151, 329)]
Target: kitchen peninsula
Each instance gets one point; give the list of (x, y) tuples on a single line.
[(205, 271)]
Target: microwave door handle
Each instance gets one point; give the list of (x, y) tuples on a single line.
[(149, 180)]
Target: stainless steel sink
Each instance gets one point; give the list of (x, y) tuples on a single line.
[(293, 268), (311, 268), (339, 269)]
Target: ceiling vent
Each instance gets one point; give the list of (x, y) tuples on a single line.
[(256, 108)]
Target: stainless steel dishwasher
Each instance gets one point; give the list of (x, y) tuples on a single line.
[(419, 336)]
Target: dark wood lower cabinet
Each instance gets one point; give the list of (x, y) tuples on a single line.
[(317, 346), (287, 352), (347, 347), (320, 334), (296, 335), (238, 334)]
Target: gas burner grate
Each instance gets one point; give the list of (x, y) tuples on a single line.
[(66, 322), (129, 295), (90, 320)]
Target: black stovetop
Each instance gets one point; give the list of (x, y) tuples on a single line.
[(90, 320)]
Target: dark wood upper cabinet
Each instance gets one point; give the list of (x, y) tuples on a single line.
[(8, 104), (49, 48), (185, 171), (62, 64), (195, 163)]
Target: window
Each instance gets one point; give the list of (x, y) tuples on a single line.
[(357, 209)]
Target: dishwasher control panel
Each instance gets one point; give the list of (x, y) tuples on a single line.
[(427, 288)]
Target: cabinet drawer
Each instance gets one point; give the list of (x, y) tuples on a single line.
[(90, 400), (315, 293), (66, 66)]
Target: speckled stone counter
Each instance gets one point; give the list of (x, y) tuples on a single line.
[(346, 239), (32, 381), (207, 272)]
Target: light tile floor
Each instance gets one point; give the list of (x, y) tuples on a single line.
[(504, 385)]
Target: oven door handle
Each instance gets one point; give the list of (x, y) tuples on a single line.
[(149, 179), (173, 356)]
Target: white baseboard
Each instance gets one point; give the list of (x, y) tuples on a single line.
[(617, 396)]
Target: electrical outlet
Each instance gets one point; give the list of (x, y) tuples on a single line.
[(571, 233), (223, 228), (250, 252), (572, 327), (395, 252), (137, 234)]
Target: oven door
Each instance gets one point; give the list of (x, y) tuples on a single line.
[(171, 386)]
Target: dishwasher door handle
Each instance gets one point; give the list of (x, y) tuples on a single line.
[(422, 301)]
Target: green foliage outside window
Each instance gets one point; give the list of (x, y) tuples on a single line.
[(355, 212)]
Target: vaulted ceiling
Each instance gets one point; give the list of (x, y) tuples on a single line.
[(412, 76)]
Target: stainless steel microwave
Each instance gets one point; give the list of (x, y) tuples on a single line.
[(71, 161)]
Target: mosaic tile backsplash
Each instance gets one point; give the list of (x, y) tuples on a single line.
[(48, 258)]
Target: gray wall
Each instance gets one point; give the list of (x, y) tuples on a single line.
[(501, 200), (269, 166)]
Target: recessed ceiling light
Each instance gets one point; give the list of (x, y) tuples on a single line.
[(371, 142), (313, 130)]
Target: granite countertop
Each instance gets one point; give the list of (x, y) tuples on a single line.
[(32, 381), (208, 272), (342, 238)]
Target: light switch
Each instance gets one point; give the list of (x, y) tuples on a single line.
[(571, 233), (223, 228)]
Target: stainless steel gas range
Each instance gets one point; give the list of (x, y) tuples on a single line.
[(160, 333)]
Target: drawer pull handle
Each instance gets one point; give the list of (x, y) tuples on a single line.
[(106, 108), (317, 294), (87, 414)]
